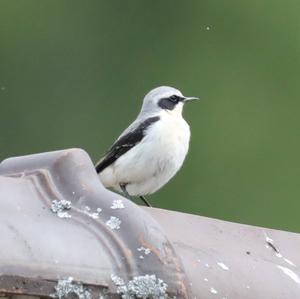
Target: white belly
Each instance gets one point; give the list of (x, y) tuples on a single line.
[(154, 161)]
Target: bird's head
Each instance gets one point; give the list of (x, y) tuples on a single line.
[(165, 98)]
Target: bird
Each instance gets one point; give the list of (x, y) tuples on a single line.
[(152, 149)]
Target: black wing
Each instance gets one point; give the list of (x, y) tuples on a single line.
[(125, 143)]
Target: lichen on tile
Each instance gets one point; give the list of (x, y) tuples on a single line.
[(94, 215), (144, 249), (117, 204), (67, 286), (113, 222), (144, 286), (61, 207)]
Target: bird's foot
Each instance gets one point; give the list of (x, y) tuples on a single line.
[(123, 188), (145, 201)]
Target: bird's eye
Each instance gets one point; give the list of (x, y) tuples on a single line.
[(174, 99)]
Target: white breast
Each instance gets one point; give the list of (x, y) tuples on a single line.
[(173, 135), (154, 161)]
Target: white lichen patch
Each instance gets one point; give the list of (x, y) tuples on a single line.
[(144, 249), (223, 266), (145, 286), (113, 222), (67, 286), (60, 208), (94, 215), (118, 281), (213, 291), (117, 204)]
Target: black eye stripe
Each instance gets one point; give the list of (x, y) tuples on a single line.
[(170, 102)]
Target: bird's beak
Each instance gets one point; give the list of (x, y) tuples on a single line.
[(189, 99)]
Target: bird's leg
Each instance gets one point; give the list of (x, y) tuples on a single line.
[(123, 188), (145, 201)]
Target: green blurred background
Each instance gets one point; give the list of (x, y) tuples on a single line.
[(73, 74)]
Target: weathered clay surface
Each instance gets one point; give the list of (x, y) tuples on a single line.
[(63, 232)]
